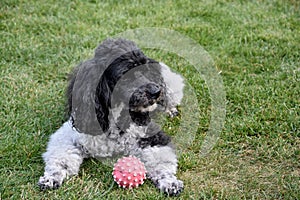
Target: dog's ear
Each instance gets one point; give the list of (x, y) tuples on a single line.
[(102, 103)]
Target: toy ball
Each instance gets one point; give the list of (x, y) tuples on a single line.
[(129, 172)]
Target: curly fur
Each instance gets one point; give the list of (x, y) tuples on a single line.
[(102, 125)]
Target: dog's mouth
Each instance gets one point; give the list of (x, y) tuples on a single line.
[(149, 106), (146, 108)]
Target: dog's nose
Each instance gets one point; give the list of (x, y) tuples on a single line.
[(154, 92)]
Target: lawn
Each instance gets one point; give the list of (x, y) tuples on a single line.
[(255, 46)]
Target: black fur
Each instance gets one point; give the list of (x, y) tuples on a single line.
[(158, 139), (140, 118)]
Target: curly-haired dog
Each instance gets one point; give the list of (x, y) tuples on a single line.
[(111, 99)]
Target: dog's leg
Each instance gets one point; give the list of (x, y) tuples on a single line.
[(161, 166), (62, 159)]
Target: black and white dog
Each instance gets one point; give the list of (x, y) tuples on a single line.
[(111, 99)]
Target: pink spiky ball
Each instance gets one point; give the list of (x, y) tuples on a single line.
[(129, 172)]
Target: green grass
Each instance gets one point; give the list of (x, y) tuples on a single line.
[(254, 43)]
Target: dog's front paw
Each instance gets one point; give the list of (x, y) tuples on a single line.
[(171, 187), (49, 182)]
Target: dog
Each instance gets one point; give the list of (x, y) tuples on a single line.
[(112, 99)]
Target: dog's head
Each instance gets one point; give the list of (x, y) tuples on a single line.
[(134, 84), (120, 86)]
